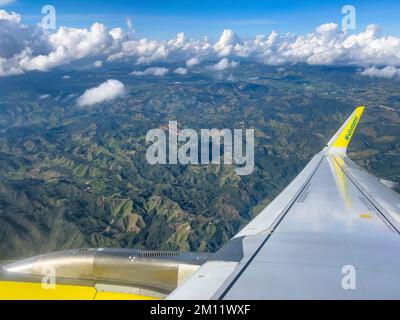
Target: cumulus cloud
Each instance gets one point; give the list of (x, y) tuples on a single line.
[(181, 71), (7, 68), (224, 64), (226, 42), (12, 17), (107, 91), (386, 72), (98, 63), (192, 62), (328, 30), (152, 71), (24, 48), (16, 41), (129, 24), (145, 51)]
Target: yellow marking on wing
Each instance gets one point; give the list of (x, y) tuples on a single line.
[(121, 296), (10, 290), (366, 216), (341, 180), (344, 139), (34, 291)]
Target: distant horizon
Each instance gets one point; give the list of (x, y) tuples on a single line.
[(34, 36), (160, 20)]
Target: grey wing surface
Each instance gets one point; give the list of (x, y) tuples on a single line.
[(333, 233)]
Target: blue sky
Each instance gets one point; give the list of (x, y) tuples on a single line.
[(164, 18)]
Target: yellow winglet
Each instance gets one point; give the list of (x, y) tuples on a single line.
[(340, 141)]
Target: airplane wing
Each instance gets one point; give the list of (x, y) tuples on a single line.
[(333, 233)]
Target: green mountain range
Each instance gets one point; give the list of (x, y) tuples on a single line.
[(75, 176)]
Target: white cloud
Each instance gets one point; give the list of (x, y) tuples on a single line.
[(152, 71), (7, 68), (181, 71), (179, 41), (387, 72), (15, 38), (226, 42), (30, 48), (117, 33), (24, 48), (12, 17), (224, 64), (107, 91), (192, 62), (80, 43), (145, 51), (98, 63), (328, 30), (44, 62), (129, 24)]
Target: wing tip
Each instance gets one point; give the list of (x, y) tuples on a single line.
[(342, 138), (360, 109)]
